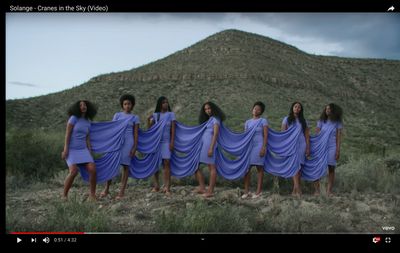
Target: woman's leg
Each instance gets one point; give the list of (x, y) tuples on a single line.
[(246, 183), (91, 168), (106, 190), (296, 184), (156, 186), (213, 179), (260, 176), (73, 171), (124, 181), (331, 179), (316, 188), (167, 177), (200, 179)]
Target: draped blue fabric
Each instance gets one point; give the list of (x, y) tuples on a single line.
[(236, 144), (106, 138), (149, 144), (185, 158), (316, 166), (281, 158)]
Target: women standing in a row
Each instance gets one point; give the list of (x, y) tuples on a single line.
[(331, 117), (258, 148), (213, 114), (163, 112), (296, 119), (129, 145), (77, 145)]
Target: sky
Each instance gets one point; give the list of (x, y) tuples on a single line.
[(51, 52)]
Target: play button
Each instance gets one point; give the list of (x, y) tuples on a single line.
[(18, 240)]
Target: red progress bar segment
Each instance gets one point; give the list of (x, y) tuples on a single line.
[(47, 233)]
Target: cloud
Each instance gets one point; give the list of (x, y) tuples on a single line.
[(362, 35), (23, 84)]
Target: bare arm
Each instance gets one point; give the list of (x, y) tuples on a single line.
[(150, 121), (214, 140), (88, 143), (318, 130), (284, 127), (171, 145), (307, 135), (338, 141), (265, 141), (68, 132), (135, 139)]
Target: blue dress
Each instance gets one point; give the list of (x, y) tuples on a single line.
[(128, 136), (332, 138), (301, 141), (206, 141), (257, 140), (78, 150), (166, 135)]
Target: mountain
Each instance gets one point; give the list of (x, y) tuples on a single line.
[(234, 69)]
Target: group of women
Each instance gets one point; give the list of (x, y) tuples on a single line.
[(291, 152)]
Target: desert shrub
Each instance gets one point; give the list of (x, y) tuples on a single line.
[(369, 173), (33, 154)]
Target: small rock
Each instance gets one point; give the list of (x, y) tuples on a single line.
[(116, 207), (362, 207), (189, 205), (266, 209)]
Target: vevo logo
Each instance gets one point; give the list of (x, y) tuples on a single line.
[(387, 228)]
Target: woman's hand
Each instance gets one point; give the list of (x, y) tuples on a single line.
[(133, 152), (263, 151), (307, 151), (337, 155), (210, 152), (64, 154)]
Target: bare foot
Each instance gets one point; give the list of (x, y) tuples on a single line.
[(198, 191), (257, 195), (103, 194), (296, 194), (246, 195), (119, 197), (316, 194), (64, 198), (207, 195), (155, 189), (168, 193), (330, 194), (165, 190)]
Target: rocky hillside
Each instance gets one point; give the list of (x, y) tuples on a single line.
[(234, 69)]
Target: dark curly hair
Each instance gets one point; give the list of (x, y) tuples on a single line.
[(261, 105), (336, 113), (292, 118), (159, 104), (215, 111), (127, 97), (75, 110)]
